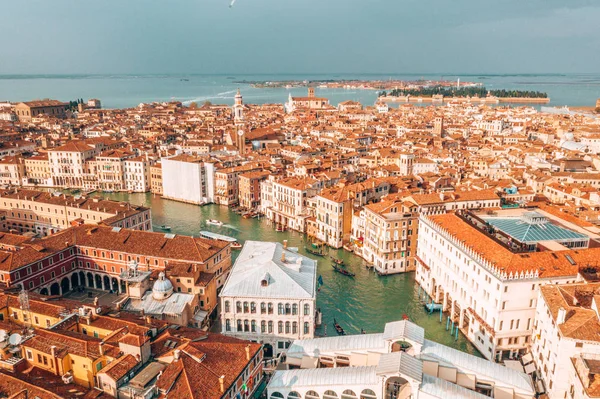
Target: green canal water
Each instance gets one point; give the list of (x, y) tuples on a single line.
[(367, 301)]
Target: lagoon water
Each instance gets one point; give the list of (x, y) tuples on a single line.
[(118, 91)]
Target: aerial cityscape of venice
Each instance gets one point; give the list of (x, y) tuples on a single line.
[(300, 199)]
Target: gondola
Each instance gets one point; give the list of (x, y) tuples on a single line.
[(338, 328), (337, 261), (317, 252), (343, 271)]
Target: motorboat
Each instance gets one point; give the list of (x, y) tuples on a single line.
[(214, 222)]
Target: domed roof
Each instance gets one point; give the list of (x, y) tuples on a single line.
[(162, 288)]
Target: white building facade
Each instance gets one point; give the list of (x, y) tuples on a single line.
[(270, 296)]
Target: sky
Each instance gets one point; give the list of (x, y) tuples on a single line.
[(299, 36)]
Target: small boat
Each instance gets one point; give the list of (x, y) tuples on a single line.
[(280, 228), (405, 317), (343, 271), (338, 328), (337, 261), (348, 248), (362, 331), (165, 227), (214, 222), (313, 251), (236, 245)]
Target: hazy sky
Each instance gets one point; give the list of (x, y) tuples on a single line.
[(299, 36)]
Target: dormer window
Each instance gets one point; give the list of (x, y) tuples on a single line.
[(264, 282)]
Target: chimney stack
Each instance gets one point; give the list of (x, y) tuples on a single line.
[(283, 256), (562, 316), (53, 351), (101, 348), (222, 383), (284, 244), (176, 354), (148, 320), (248, 352)]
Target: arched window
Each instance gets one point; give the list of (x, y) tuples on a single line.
[(252, 307), (253, 325), (368, 394), (311, 395), (306, 328), (239, 326), (294, 395), (226, 306), (270, 308), (238, 307), (280, 308), (277, 395), (263, 326), (294, 309), (280, 327), (329, 394), (287, 327), (306, 309), (288, 308), (294, 328), (348, 394), (246, 326), (227, 325), (263, 308), (270, 327), (245, 307)]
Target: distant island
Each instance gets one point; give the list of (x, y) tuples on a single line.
[(391, 84), (468, 91), (474, 94)]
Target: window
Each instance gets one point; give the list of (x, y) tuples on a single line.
[(277, 395), (246, 326), (270, 324), (288, 308), (263, 308), (294, 328), (294, 395), (294, 309), (252, 307), (29, 354), (239, 326), (306, 328), (329, 394), (226, 306), (280, 327), (280, 308), (238, 306), (263, 326), (348, 394), (245, 307), (306, 309), (311, 395), (270, 308), (253, 326), (227, 325), (287, 327)]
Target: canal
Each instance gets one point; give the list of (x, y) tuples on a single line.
[(367, 301)]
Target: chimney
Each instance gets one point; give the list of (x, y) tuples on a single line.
[(284, 244), (248, 352), (176, 354), (148, 320), (283, 256), (441, 196), (101, 348), (222, 383), (53, 351), (562, 315)]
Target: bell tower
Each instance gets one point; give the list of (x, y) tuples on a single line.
[(238, 117), (311, 92)]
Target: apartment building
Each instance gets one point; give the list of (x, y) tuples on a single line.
[(188, 178), (289, 209), (249, 188), (156, 184), (137, 174), (227, 183), (334, 207), (390, 236), (68, 165), (43, 213)]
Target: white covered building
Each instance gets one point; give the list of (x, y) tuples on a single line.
[(396, 364), (270, 296), (187, 178)]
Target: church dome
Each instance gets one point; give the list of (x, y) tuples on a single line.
[(162, 288)]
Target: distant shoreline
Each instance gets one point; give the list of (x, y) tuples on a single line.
[(476, 100)]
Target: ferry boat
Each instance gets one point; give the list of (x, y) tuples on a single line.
[(214, 236), (165, 227), (214, 222)]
